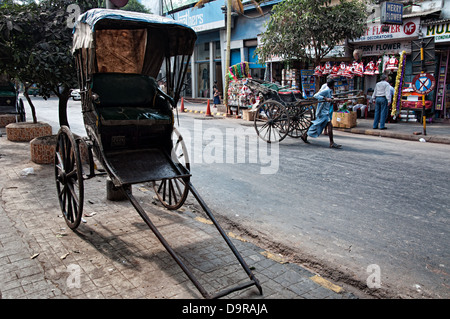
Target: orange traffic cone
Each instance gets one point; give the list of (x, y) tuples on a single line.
[(182, 105), (208, 110)]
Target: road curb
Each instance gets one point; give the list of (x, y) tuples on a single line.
[(204, 112), (396, 135)]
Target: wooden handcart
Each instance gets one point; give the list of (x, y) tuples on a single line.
[(280, 113)]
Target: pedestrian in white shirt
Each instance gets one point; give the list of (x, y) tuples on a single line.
[(382, 97)]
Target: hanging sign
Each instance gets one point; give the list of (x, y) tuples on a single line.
[(392, 13), (423, 83)]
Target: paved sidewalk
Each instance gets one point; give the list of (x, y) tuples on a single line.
[(113, 254)]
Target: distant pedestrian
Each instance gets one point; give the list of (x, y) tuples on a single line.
[(216, 97), (323, 114), (382, 97), (366, 103)]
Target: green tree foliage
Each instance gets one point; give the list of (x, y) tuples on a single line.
[(134, 5), (35, 46), (310, 29), (18, 37)]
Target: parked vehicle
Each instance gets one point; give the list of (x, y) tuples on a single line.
[(75, 95), (10, 103), (33, 90)]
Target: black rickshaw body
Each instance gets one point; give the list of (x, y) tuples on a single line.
[(119, 55), (129, 120)]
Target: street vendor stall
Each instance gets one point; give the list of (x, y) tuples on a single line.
[(240, 96)]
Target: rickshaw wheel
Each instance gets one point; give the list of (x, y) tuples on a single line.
[(272, 121), (69, 177), (301, 118), (173, 192)]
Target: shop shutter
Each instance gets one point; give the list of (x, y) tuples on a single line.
[(235, 57), (253, 60)]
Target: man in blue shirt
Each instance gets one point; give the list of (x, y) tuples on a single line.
[(323, 114), (382, 97)]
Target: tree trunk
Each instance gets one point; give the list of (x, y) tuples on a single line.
[(62, 106), (30, 103)]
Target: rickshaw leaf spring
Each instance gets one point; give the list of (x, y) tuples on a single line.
[(180, 78), (178, 118), (168, 76)]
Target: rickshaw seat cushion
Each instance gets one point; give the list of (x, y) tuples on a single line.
[(124, 89), (133, 115)]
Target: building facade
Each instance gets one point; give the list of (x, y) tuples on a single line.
[(208, 61), (383, 39), (423, 24)]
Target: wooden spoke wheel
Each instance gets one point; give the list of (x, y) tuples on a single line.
[(173, 192), (272, 121), (300, 120), (69, 177)]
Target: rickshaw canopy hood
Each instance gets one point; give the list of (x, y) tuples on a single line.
[(178, 37)]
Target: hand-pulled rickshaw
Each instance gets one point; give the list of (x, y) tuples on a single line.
[(129, 120)]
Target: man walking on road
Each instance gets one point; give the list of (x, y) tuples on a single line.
[(382, 97), (323, 114)]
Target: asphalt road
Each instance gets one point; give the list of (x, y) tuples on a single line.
[(374, 212)]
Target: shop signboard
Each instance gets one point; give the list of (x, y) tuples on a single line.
[(275, 58), (392, 13), (339, 51), (377, 49), (209, 17), (374, 32), (440, 31)]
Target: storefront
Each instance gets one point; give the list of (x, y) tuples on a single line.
[(206, 62), (338, 63), (381, 43), (244, 40), (440, 31)]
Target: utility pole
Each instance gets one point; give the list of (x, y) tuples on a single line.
[(228, 55), (422, 63)]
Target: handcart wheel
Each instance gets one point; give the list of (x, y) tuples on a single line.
[(301, 118), (173, 192), (69, 177), (272, 121)]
